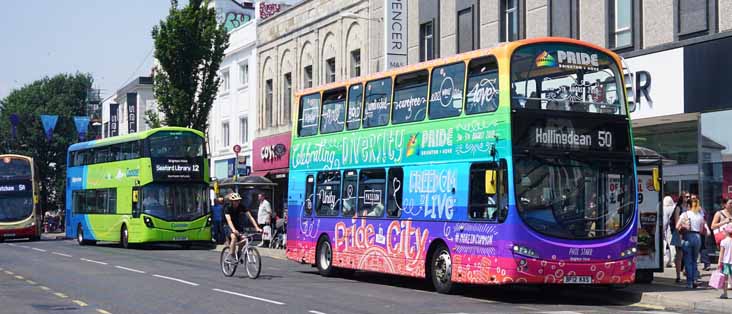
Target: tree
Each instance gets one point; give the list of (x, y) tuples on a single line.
[(189, 47), (64, 95)]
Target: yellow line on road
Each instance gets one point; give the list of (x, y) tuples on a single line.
[(103, 311), (31, 282), (79, 303), (60, 295), (649, 306), (19, 277), (44, 288)]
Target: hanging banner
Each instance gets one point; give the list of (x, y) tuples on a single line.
[(113, 119), (14, 121), (82, 125), (131, 113), (395, 28), (49, 123)]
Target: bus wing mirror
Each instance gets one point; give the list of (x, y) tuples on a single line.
[(490, 182), (656, 180)]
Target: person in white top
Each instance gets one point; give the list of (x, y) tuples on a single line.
[(691, 224), (725, 258), (668, 211), (264, 215)]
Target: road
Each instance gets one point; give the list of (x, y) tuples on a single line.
[(61, 276)]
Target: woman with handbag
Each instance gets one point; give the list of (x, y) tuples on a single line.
[(722, 218), (680, 208), (692, 226)]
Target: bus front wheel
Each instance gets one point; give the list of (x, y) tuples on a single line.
[(80, 237), (124, 237), (324, 258), (441, 270)]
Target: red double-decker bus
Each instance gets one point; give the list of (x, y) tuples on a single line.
[(20, 214)]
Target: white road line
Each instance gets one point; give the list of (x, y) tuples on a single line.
[(315, 312), (61, 295), (93, 261), (103, 311), (130, 269), (80, 303), (249, 297), (37, 249), (178, 280), (24, 246), (12, 244), (61, 254)]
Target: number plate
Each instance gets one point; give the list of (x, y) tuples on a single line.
[(180, 238), (578, 279), (8, 235)]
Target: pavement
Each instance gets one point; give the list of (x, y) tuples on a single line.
[(59, 275)]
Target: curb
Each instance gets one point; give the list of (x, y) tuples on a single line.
[(669, 302)]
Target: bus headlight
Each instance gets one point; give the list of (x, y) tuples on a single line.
[(525, 251), (208, 221), (148, 222)]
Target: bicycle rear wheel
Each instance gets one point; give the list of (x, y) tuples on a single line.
[(227, 267), (252, 263)]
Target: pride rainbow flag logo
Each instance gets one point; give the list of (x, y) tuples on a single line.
[(544, 59), (412, 145)]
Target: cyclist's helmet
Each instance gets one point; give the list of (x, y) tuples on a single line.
[(234, 197)]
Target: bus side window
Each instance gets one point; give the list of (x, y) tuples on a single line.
[(482, 85), (395, 192), (487, 203), (329, 188), (309, 113), (349, 193), (371, 190), (309, 195), (355, 99)]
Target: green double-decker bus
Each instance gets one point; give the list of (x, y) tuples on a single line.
[(150, 186)]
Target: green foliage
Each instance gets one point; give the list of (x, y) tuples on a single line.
[(153, 119), (64, 95), (189, 46)]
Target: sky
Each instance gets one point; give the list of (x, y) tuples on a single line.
[(109, 39)]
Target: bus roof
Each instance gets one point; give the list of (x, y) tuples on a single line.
[(500, 51), (129, 137), (16, 156)]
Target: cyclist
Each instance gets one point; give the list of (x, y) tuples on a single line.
[(233, 212)]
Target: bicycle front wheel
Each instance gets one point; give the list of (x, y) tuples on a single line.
[(228, 265), (252, 263)]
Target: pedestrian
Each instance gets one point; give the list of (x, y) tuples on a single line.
[(692, 226), (264, 217), (725, 259), (676, 235), (722, 218), (703, 251), (668, 212), (217, 215)]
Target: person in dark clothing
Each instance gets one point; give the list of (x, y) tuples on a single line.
[(217, 217), (233, 211)]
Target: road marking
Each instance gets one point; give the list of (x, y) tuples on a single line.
[(60, 295), (24, 246), (176, 279), (103, 311), (37, 249), (11, 244), (130, 269), (93, 261), (61, 254), (31, 282), (44, 288), (249, 297), (80, 303), (19, 277), (315, 312), (9, 272), (649, 306)]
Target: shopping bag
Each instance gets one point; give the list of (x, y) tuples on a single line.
[(719, 234), (718, 280), (267, 233)]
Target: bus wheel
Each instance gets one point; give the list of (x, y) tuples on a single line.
[(124, 237), (441, 270), (324, 258), (80, 236)]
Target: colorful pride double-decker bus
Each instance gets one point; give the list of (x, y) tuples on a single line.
[(20, 214), (506, 165), (150, 186)]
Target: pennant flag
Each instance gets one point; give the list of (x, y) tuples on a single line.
[(49, 123), (14, 120), (82, 124)]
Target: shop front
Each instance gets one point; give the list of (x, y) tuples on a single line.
[(271, 159)]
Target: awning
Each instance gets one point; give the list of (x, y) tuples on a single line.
[(271, 172)]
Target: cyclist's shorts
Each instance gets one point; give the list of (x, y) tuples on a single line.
[(227, 231)]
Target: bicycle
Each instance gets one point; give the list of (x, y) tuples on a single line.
[(245, 254)]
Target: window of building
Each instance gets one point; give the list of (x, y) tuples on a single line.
[(244, 74), (429, 29), (446, 99), (355, 99), (225, 134), (332, 115), (355, 63), (482, 85), (371, 188), (307, 76), (511, 20), (694, 17), (287, 97), (329, 193), (484, 204), (244, 130), (224, 82), (330, 70), (308, 117), (378, 99), (466, 40), (426, 42), (268, 106), (621, 23), (564, 18), (410, 97), (350, 193), (394, 193)]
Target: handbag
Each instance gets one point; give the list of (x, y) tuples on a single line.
[(267, 233), (719, 233), (718, 280)]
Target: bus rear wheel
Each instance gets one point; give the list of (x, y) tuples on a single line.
[(124, 237), (441, 270), (80, 237), (324, 258)]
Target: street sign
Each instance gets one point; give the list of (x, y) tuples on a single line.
[(237, 149)]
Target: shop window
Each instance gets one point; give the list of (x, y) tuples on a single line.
[(328, 193), (309, 195), (488, 194), (350, 193), (395, 192), (355, 99), (447, 90), (378, 99), (371, 188), (482, 85), (410, 97)]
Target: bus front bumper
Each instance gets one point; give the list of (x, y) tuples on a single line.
[(164, 235)]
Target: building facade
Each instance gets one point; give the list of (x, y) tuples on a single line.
[(124, 111)]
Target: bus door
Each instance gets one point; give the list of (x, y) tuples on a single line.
[(650, 227)]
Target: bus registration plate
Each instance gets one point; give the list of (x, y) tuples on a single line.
[(180, 238), (578, 280), (8, 235)]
